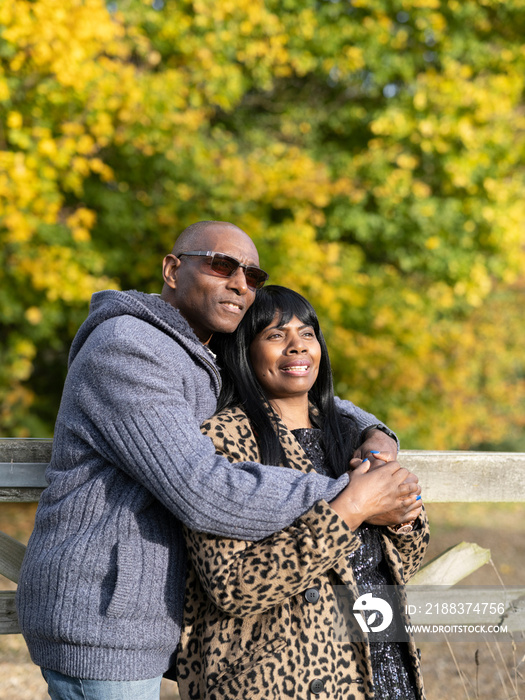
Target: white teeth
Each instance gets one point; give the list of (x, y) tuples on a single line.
[(300, 368)]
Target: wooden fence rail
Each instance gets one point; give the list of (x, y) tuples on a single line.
[(459, 477), (444, 477)]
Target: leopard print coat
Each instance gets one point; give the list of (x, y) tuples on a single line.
[(259, 616)]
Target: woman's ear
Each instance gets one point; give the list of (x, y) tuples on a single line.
[(170, 265)]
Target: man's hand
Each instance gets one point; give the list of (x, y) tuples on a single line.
[(383, 496), (376, 443), (402, 513)]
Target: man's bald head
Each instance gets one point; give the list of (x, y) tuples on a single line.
[(198, 236), (210, 302)]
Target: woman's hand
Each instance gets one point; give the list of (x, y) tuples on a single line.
[(385, 496), (376, 442)]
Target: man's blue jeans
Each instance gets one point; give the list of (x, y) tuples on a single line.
[(62, 687)]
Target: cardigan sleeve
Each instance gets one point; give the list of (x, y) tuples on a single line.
[(243, 578), (130, 389), (362, 418)]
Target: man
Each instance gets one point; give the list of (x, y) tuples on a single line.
[(101, 589)]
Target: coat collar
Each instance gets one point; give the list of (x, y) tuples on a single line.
[(295, 454)]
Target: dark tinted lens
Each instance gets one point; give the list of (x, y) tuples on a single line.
[(223, 265), (255, 278)]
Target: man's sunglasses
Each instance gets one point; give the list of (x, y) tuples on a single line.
[(226, 266)]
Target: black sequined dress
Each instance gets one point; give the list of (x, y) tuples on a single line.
[(393, 678)]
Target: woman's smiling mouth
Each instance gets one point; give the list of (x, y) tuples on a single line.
[(299, 367)]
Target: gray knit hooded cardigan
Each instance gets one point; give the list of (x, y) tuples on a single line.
[(101, 589)]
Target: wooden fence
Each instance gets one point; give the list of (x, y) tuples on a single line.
[(444, 477)]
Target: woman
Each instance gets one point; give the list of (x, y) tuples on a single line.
[(259, 616)]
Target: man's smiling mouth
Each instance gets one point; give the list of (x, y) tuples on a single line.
[(231, 305)]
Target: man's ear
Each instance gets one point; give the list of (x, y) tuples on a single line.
[(170, 265)]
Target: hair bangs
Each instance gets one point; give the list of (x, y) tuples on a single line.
[(272, 301)]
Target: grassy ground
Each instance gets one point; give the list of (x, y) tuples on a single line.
[(486, 672)]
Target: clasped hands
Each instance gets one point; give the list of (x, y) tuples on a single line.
[(380, 490)]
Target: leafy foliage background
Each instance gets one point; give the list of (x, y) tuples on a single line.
[(373, 149)]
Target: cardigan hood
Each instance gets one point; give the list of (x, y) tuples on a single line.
[(147, 307)]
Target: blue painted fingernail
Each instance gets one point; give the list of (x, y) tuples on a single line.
[(418, 498), (374, 452), (365, 460)]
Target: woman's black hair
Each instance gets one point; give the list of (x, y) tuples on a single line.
[(241, 387)]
